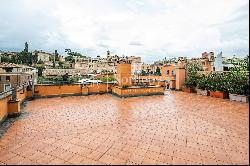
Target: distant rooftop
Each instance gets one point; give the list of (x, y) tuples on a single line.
[(12, 65)]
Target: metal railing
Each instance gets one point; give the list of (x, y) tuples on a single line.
[(18, 88)]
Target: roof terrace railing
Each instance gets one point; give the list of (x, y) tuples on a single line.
[(6, 93), (18, 88)]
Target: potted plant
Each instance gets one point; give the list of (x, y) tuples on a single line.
[(191, 81), (189, 85), (216, 84), (201, 86), (238, 86)]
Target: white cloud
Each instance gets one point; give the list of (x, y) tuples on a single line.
[(150, 28)]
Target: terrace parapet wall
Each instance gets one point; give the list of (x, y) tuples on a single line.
[(51, 90), (9, 107), (137, 91)]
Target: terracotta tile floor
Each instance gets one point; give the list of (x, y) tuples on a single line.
[(178, 128)]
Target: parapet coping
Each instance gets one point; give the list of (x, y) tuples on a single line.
[(139, 95), (73, 84), (138, 87)]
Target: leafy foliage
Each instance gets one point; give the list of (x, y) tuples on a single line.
[(60, 64), (202, 82), (73, 79), (58, 79), (71, 56), (158, 71), (70, 59), (76, 54), (217, 81), (40, 68), (107, 79), (192, 78), (23, 57), (238, 83), (239, 64), (6, 59), (193, 67), (143, 73), (191, 81)]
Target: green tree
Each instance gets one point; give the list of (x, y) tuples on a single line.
[(40, 69), (60, 64), (13, 59), (240, 64), (5, 59), (143, 73), (70, 58), (158, 71), (76, 54), (24, 58)]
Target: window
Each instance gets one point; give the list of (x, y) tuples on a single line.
[(7, 87), (7, 78), (225, 68), (167, 72), (8, 69)]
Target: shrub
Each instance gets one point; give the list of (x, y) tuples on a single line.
[(57, 79), (73, 79), (238, 83), (190, 82), (202, 82), (107, 79), (192, 78), (217, 81), (41, 80)]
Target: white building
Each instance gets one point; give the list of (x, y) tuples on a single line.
[(218, 65)]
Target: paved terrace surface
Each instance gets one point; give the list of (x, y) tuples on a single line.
[(178, 128)]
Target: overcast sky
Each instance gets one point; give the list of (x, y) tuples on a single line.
[(152, 29)]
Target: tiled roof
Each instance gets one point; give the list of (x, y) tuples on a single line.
[(4, 65)]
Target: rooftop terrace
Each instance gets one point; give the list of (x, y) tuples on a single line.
[(177, 128)]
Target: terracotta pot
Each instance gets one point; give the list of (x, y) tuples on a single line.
[(219, 94)]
